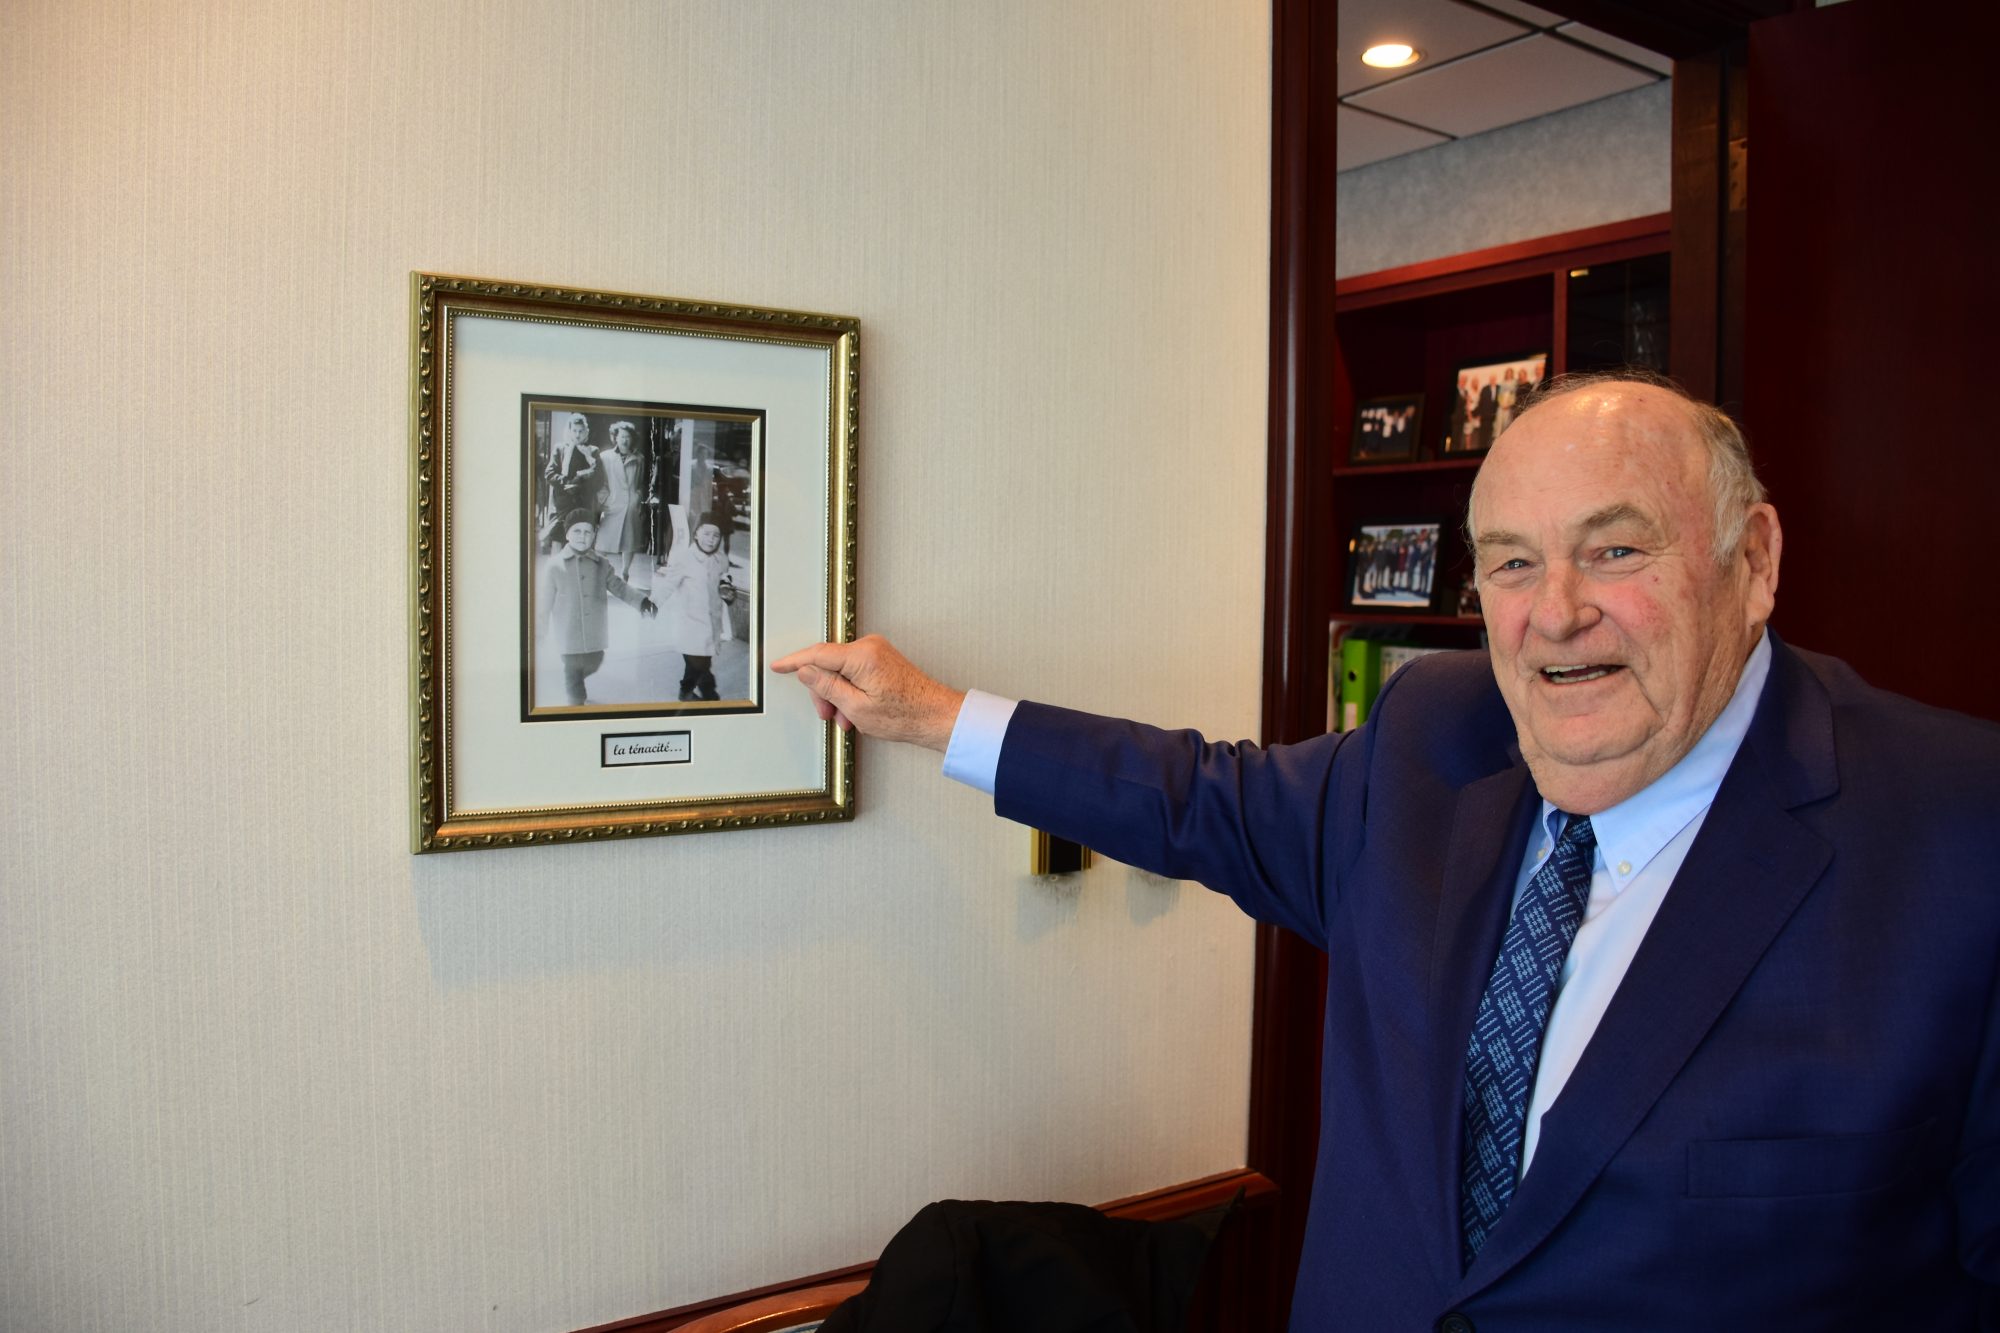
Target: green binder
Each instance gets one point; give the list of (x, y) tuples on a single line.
[(1360, 678)]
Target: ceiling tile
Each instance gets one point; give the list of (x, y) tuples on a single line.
[(1618, 46), (1440, 29), (1541, 18), (1510, 83), (1363, 138)]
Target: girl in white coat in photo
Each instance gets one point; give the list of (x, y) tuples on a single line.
[(693, 592)]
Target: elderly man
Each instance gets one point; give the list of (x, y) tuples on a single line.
[(1664, 959)]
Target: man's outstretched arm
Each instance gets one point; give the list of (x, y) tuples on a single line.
[(1241, 819), (869, 687)]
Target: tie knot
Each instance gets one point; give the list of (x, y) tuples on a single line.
[(1579, 833)]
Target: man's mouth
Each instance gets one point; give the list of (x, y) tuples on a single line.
[(1576, 675)]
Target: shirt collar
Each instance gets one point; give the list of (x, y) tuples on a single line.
[(1631, 833)]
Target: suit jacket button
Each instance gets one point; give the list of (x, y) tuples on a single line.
[(1454, 1323)]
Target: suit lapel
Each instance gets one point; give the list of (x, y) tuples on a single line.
[(1747, 872), (1489, 835)]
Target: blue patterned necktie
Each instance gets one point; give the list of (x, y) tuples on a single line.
[(1507, 1032)]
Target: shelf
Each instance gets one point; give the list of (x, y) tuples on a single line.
[(1548, 254), (1398, 618), (1463, 464)]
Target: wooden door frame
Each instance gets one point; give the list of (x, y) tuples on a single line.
[(1290, 983)]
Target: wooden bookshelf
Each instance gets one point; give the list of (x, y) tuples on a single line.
[(1589, 299)]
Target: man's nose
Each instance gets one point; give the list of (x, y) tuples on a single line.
[(1562, 605)]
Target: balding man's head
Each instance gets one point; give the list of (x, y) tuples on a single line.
[(1622, 584), (1732, 481)]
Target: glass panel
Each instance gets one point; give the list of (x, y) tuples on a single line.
[(1618, 315)]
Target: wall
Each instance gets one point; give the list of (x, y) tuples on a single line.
[(1600, 162), (262, 1069)]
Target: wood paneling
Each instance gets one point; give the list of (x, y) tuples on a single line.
[(1711, 128), (773, 1314), (1678, 28), (1291, 975), (1872, 341)]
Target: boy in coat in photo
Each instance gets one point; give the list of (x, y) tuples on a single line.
[(576, 588)]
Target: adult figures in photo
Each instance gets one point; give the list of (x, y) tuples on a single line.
[(1385, 429), (1503, 402), (1483, 406), (1393, 565), (572, 474), (671, 504), (1487, 397), (1464, 416), (1517, 381), (622, 514)]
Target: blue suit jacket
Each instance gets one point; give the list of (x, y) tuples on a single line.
[(1790, 1114)]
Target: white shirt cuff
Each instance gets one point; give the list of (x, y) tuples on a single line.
[(973, 757)]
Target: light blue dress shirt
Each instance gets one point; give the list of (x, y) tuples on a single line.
[(1641, 843)]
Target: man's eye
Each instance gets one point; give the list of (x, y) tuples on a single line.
[(1510, 566), (1619, 552)]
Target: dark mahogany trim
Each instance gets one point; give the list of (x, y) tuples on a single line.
[(1290, 981), (1398, 618), (662, 1320), (775, 1314), (1161, 1205), (1710, 111), (1732, 223), (1464, 463), (1678, 28), (1195, 1196), (1301, 186), (1603, 244), (1697, 184), (1559, 352)]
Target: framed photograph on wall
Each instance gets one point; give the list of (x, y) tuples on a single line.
[(1483, 399), (1393, 566), (624, 507), (1386, 430)]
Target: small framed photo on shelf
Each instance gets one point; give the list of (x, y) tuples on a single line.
[(1484, 397), (1386, 430), (1394, 566)]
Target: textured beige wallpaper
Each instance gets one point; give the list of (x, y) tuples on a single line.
[(262, 1069)]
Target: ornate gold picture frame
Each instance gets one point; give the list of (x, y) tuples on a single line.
[(623, 507)]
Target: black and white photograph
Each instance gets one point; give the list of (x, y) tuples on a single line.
[(1393, 565), (1386, 430), (638, 540), (618, 503), (1485, 398)]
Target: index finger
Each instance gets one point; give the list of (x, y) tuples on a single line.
[(826, 656)]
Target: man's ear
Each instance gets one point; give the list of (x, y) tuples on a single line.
[(1760, 551)]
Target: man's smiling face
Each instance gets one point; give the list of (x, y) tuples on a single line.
[(1617, 637)]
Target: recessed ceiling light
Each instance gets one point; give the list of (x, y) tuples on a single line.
[(1391, 55)]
